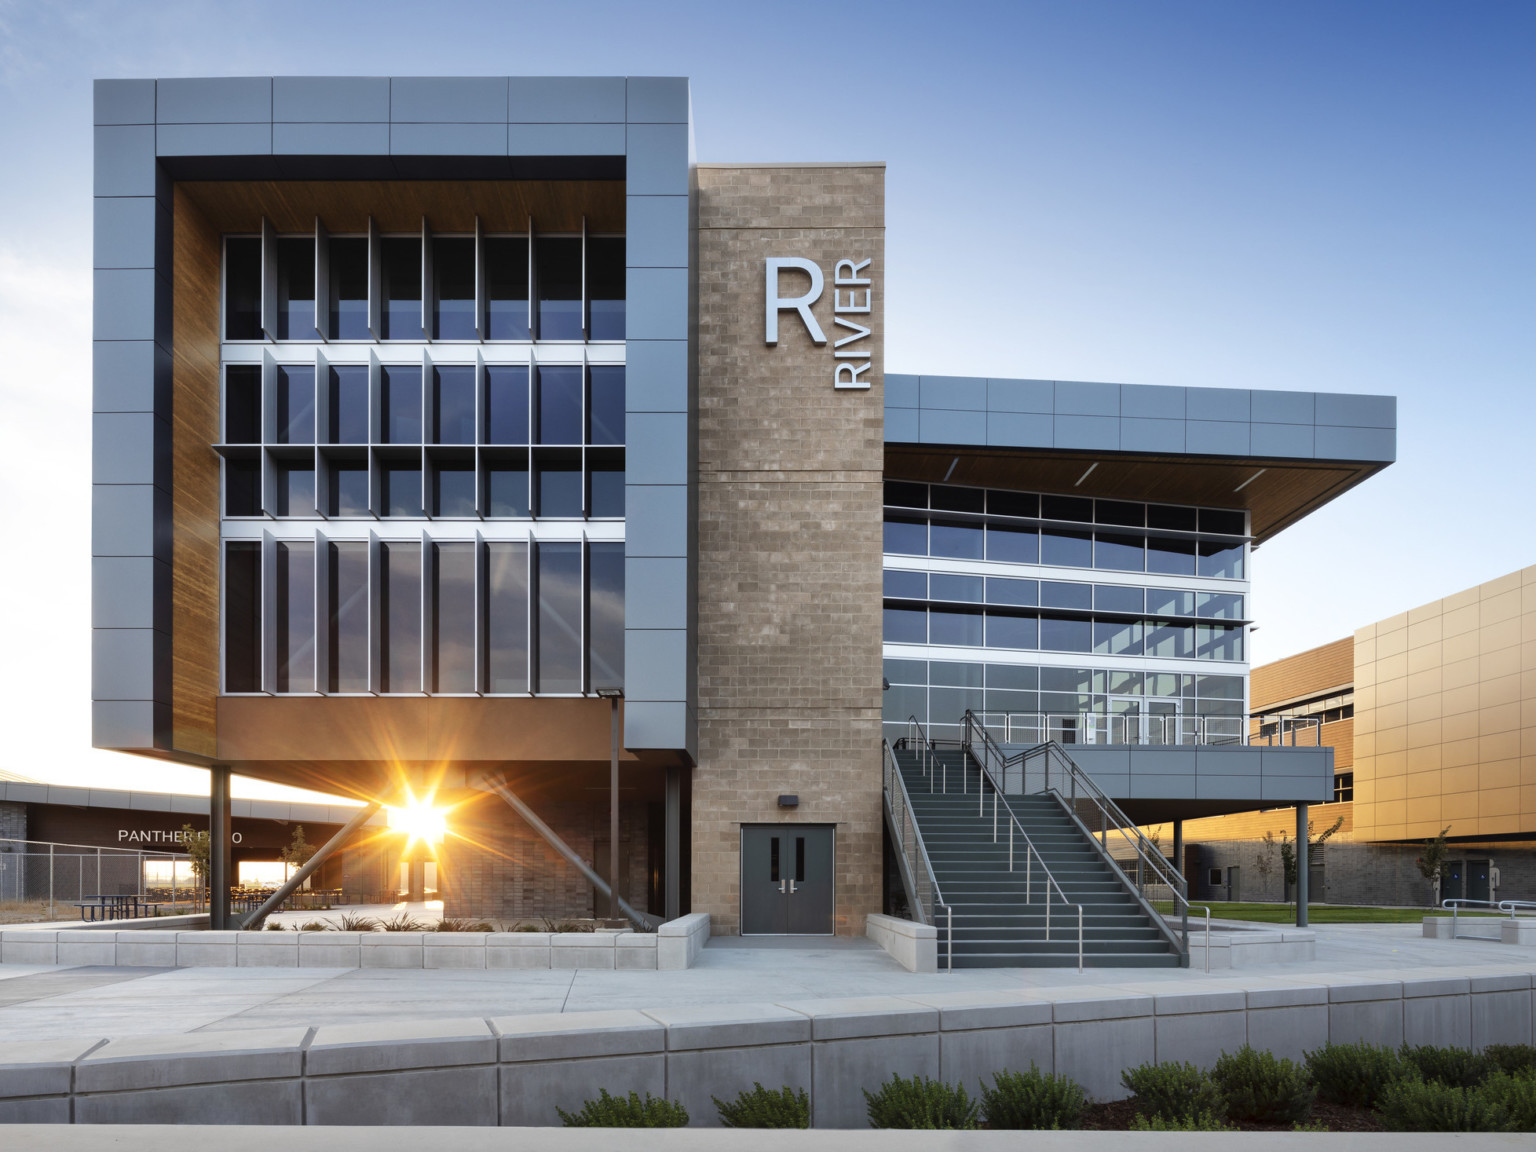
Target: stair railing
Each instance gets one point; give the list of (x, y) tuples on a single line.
[(917, 738), (912, 855), (1048, 768)]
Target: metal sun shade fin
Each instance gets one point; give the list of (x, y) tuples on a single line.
[(428, 430), (429, 561), (375, 619), (322, 280), (480, 301), (426, 280), (268, 279), (375, 281), (268, 611), (482, 592), (586, 327), (322, 613)]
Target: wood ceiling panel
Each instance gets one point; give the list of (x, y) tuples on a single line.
[(1285, 492), (399, 205)]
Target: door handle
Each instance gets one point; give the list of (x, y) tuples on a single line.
[(791, 887), (782, 889)]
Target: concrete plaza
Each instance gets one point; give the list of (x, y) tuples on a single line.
[(45, 1002)]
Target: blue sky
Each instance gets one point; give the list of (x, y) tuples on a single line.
[(1320, 196)]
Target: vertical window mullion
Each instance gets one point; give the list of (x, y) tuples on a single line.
[(428, 290), (268, 279), (480, 301), (375, 614), (322, 280), (586, 327), (268, 680), (375, 281), (322, 613)]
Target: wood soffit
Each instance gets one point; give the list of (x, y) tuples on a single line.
[(1285, 492), (399, 205)]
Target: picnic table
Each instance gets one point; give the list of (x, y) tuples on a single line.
[(117, 906)]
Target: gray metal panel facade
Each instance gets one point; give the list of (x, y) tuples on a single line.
[(333, 127), (1094, 417), (1281, 776)]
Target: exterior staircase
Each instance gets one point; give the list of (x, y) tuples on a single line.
[(999, 916)]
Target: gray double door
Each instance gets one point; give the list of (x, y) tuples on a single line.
[(787, 879)]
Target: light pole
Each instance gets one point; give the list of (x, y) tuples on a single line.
[(613, 696)]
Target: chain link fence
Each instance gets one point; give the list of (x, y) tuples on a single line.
[(41, 880)]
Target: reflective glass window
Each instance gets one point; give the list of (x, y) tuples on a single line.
[(903, 702), (295, 489), (242, 617), (1120, 512), (906, 585), (1012, 631), (606, 489), (453, 618), (242, 487), (962, 674), (1119, 552), (242, 289), (951, 499), (1013, 504), (401, 495), (1060, 634), (506, 287), (558, 484), (605, 405), (605, 615), (400, 617), (903, 494), (559, 644), (947, 707), (1223, 522), (455, 495), (906, 671), (506, 405), (1003, 701), (453, 404), (1219, 605), (296, 289), (1175, 641), (1066, 549), (1219, 687), (1114, 598), (348, 401), (956, 540), (1219, 642), (559, 408), (1059, 594), (1221, 560), (1066, 680), (1170, 557), (1003, 590), (605, 286), (348, 260), (349, 488), (295, 404), (506, 490), (1171, 517), (951, 626), (557, 272), (905, 626), (906, 537), (507, 616), (400, 398), (1170, 602), (1066, 508), (1013, 545), (400, 313), (348, 617), (953, 586), (1117, 637), (242, 404), (453, 273), (295, 604), (1012, 676)]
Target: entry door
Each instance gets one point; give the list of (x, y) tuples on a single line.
[(1451, 880), (1477, 880), (787, 879)]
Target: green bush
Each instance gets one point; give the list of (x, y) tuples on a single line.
[(454, 924), (1515, 1094), (1512, 1058), (1202, 1122), (1455, 1067), (920, 1103), (760, 1108), (1172, 1091), (1032, 1099), (1353, 1074), (626, 1112), (1263, 1088), (1412, 1105)]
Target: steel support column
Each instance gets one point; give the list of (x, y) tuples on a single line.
[(220, 828), (1178, 851), (275, 901), (1301, 865), (614, 912), (673, 905)]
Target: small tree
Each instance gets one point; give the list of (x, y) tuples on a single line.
[(1264, 861), (1432, 862), (297, 854), (1288, 849), (198, 848)]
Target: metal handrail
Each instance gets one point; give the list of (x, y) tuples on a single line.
[(1031, 854), (1456, 903), (899, 815), (1082, 786), (1155, 728), (1207, 908)]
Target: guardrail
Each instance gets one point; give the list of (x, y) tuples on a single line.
[(1048, 768), (49, 878), (1456, 903), (1069, 728), (911, 854)]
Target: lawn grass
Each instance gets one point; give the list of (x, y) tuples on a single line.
[(1316, 913)]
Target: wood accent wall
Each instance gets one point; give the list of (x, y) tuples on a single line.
[(195, 480), (1309, 673), (399, 205)]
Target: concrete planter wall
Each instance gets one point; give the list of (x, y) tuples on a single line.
[(675, 945), (914, 946), (517, 1070), (1244, 947)]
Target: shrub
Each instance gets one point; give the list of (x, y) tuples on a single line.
[(1173, 1091), (920, 1103), (454, 924), (1263, 1088), (1032, 1099), (1203, 1122), (354, 922), (1412, 1105), (626, 1112), (317, 926), (1353, 1074), (1512, 1058), (1515, 1093), (403, 922), (760, 1108), (1455, 1067)]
